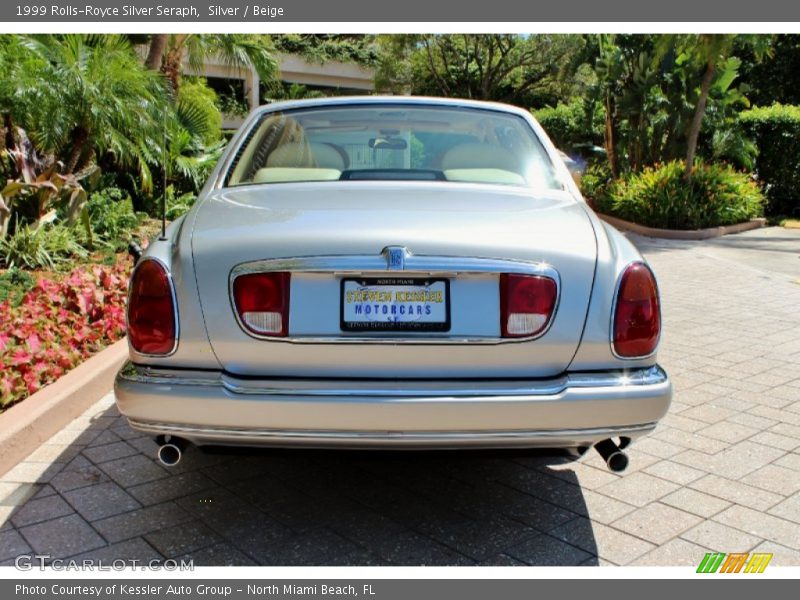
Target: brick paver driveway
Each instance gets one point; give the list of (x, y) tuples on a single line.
[(721, 473)]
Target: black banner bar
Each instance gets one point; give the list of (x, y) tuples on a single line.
[(435, 11)]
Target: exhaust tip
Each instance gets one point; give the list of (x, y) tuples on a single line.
[(617, 462), (169, 455), (616, 459)]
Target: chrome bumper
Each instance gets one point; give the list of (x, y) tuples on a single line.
[(572, 410)]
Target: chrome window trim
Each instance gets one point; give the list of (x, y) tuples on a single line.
[(168, 271), (254, 120), (614, 313), (377, 265)]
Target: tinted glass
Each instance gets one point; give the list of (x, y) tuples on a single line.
[(393, 142)]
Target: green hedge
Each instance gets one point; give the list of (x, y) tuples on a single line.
[(568, 125), (776, 131), (660, 197)]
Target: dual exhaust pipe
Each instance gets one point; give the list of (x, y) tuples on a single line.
[(616, 460), (171, 449)]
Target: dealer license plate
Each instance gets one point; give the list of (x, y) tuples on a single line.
[(395, 304)]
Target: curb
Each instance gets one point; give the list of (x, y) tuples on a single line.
[(680, 234), (29, 424)]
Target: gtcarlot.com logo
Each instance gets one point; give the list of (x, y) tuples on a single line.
[(737, 562), (27, 562)]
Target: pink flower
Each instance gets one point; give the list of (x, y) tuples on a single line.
[(20, 358), (34, 343)]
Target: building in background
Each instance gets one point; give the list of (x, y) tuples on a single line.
[(242, 90)]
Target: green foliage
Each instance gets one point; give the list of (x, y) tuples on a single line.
[(189, 160), (776, 131), (112, 217), (282, 90), (661, 197), (229, 103), (91, 102), (178, 205), (650, 87), (733, 145), (533, 70), (236, 50), (14, 283), (573, 124), (773, 78), (42, 247), (37, 197), (595, 182), (85, 102), (319, 48), (199, 102)]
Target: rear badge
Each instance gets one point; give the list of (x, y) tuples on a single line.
[(395, 257)]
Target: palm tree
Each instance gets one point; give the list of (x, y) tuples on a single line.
[(155, 53), (710, 49), (240, 51), (93, 99)]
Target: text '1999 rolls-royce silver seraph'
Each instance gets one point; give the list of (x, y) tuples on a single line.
[(393, 272)]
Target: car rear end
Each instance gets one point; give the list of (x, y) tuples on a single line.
[(403, 307)]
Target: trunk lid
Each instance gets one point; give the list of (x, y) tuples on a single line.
[(451, 222)]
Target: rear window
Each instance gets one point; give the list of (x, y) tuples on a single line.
[(387, 142)]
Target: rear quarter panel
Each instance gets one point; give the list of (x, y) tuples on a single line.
[(175, 252), (614, 253)]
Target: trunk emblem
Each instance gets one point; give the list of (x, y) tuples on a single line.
[(395, 257)]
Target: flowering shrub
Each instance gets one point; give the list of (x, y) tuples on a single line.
[(660, 196), (57, 325)]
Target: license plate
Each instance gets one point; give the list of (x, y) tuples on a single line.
[(395, 304)]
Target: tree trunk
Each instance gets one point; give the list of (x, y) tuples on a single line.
[(697, 120), (611, 137), (158, 44), (5, 217), (79, 137), (8, 124), (173, 62)]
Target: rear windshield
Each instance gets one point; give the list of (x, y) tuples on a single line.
[(386, 142)]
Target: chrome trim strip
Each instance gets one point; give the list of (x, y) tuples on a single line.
[(364, 264), (654, 375), (376, 265), (419, 436), (548, 388), (159, 376)]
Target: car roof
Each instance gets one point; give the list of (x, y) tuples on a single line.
[(390, 100)]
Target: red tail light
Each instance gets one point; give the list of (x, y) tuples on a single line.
[(151, 310), (526, 304), (637, 317), (262, 302)]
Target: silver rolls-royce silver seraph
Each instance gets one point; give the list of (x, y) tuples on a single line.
[(393, 272)]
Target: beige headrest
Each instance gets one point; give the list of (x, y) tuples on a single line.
[(476, 155), (296, 155)]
